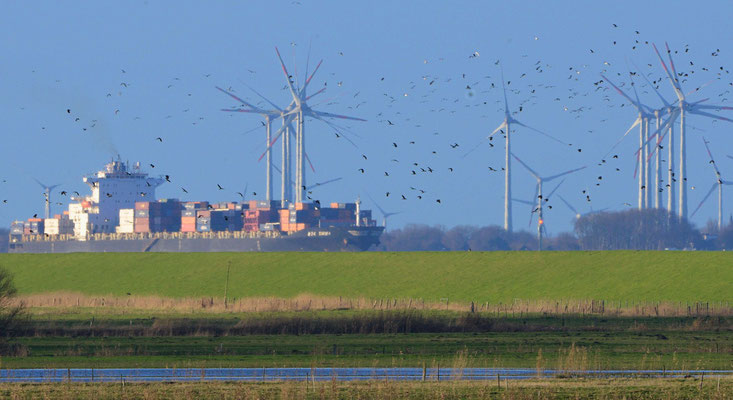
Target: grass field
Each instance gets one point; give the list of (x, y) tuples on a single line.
[(456, 276), (626, 389), (576, 351)]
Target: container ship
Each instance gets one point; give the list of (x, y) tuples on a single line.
[(123, 215)]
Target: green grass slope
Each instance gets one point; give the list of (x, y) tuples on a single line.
[(459, 276)]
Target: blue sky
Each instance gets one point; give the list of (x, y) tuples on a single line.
[(58, 56)]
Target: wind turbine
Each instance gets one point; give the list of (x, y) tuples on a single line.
[(642, 120), (385, 214), (47, 194), (719, 183), (684, 107), (298, 110), (667, 109), (539, 198), (269, 115), (505, 128)]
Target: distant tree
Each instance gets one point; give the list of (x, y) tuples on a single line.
[(9, 311), (413, 238), (456, 239), (725, 237), (490, 238), (563, 242), (651, 229)]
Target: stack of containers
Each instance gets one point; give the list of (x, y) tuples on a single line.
[(188, 215), (51, 226), (227, 220), (142, 217), (127, 221), (160, 216), (169, 212), (203, 221), (260, 213), (340, 215), (302, 216), (34, 226), (17, 228)]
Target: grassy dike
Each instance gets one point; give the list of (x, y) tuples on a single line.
[(459, 276)]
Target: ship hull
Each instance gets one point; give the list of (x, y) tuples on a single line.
[(317, 239)]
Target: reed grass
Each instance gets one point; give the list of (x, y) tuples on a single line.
[(610, 389), (60, 302)]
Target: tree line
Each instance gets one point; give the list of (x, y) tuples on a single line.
[(651, 229)]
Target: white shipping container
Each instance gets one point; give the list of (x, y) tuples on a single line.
[(125, 229)]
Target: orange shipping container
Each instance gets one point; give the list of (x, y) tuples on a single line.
[(188, 220), (188, 227)]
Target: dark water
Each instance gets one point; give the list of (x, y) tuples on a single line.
[(318, 374)]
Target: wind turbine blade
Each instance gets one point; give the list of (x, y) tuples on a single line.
[(506, 102), (553, 190), (636, 93), (263, 97), (664, 101), (287, 76), (696, 106), (529, 203), (39, 182), (672, 79), (240, 110), (712, 160), (500, 127), (568, 204), (709, 115), (334, 127), (330, 115), (277, 135), (235, 97), (308, 80), (621, 92), (697, 89), (531, 171), (731, 157), (377, 204), (712, 188), (538, 131), (295, 71), (549, 178), (660, 133), (484, 140), (309, 162), (320, 91), (671, 64), (315, 185), (637, 121)]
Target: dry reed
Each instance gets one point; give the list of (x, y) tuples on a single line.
[(68, 301)]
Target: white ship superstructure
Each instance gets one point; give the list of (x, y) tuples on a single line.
[(114, 188)]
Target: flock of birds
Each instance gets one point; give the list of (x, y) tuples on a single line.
[(433, 153)]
